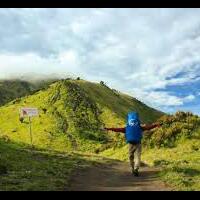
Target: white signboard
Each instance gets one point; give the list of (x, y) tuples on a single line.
[(29, 112)]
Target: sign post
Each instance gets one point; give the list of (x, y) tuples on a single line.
[(29, 112), (31, 132)]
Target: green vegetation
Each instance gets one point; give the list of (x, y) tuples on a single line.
[(25, 169), (175, 148), (13, 89), (180, 165), (118, 103), (71, 115), (10, 90)]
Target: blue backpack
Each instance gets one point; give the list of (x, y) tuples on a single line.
[(133, 132)]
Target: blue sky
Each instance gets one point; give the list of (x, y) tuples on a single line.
[(151, 54)]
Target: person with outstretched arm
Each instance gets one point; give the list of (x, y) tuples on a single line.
[(133, 134)]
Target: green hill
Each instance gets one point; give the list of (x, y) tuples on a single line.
[(12, 89), (71, 115), (15, 88), (72, 112), (67, 133)]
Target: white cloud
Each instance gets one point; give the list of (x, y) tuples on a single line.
[(161, 99), (134, 50), (189, 98), (18, 65), (158, 99)]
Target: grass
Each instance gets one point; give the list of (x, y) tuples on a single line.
[(119, 103), (179, 164), (12, 89), (65, 134), (15, 88), (71, 114), (26, 169)]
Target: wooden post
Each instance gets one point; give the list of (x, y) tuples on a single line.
[(31, 132)]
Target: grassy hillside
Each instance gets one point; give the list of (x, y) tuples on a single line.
[(175, 148), (71, 116), (118, 102), (12, 89)]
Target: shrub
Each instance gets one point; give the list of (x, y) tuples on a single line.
[(102, 83), (178, 126)]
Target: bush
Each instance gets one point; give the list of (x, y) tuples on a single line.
[(102, 83), (179, 126)]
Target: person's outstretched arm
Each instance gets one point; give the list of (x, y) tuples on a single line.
[(150, 126), (118, 130)]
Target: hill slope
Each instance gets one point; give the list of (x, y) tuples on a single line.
[(15, 88), (72, 113)]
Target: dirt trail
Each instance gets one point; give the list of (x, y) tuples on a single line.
[(116, 177)]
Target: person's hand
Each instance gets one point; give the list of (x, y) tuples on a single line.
[(103, 129)]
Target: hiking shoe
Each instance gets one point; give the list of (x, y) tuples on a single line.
[(135, 172)]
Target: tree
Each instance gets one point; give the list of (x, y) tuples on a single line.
[(102, 83)]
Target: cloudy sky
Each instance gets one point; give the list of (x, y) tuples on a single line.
[(152, 54)]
